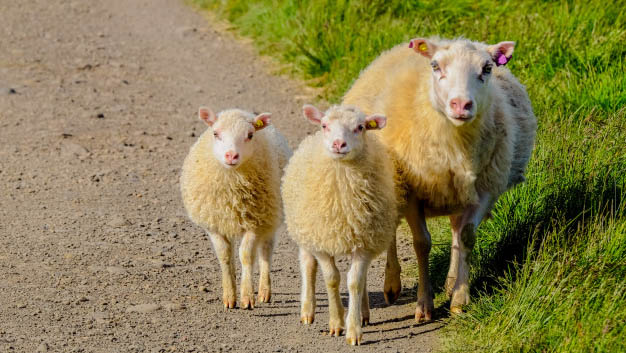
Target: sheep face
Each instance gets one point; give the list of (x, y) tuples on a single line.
[(344, 129), (233, 134), (460, 75)]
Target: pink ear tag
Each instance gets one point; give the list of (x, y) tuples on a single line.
[(502, 59)]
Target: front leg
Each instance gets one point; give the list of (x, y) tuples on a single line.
[(332, 278), (224, 252), (416, 218), (247, 251), (356, 288), (463, 238), (393, 286), (308, 268), (365, 303)]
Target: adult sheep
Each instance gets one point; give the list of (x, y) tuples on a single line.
[(461, 130)]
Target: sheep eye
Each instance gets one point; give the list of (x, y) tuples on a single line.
[(435, 66), (361, 127), (216, 135), (487, 69), (250, 136), (324, 126)]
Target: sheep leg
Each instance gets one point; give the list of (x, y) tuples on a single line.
[(365, 303), (393, 286), (224, 252), (264, 253), (453, 272), (421, 243), (308, 268), (356, 288), (247, 251), (464, 237), (332, 278)]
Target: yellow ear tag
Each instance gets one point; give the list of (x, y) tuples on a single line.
[(372, 124), (259, 123), (422, 47)]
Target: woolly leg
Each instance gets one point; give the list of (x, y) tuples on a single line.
[(224, 252), (393, 286), (421, 243), (247, 251), (464, 237), (264, 253), (332, 278), (308, 269)]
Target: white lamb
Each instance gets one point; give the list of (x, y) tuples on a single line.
[(460, 130), (230, 186), (339, 197)]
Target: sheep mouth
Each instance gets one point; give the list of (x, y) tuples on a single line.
[(463, 118)]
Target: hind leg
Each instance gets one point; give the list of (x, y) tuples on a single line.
[(393, 286), (264, 254), (416, 218)]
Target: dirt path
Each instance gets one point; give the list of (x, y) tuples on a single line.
[(97, 111)]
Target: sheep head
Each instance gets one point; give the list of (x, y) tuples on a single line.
[(461, 70), (233, 132), (344, 129)]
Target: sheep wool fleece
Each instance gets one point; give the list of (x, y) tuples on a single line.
[(231, 202), (336, 207)]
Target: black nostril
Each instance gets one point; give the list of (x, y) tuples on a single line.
[(343, 145), (468, 105)]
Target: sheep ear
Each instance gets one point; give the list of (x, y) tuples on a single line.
[(501, 52), (375, 122), (312, 114), (423, 47), (206, 114), (261, 121)]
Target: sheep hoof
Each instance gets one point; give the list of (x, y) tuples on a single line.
[(307, 319), (456, 310), (365, 321), (423, 312), (264, 295), (392, 288), (336, 331), (354, 339), (229, 304), (247, 303)]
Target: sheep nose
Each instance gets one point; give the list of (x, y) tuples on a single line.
[(231, 157), (339, 144), (461, 106)]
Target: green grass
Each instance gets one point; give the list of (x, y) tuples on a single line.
[(548, 270)]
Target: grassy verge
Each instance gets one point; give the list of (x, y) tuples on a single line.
[(548, 269)]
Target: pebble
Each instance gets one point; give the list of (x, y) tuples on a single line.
[(118, 222), (11, 91), (43, 347), (185, 31), (143, 308), (116, 270), (173, 306)]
